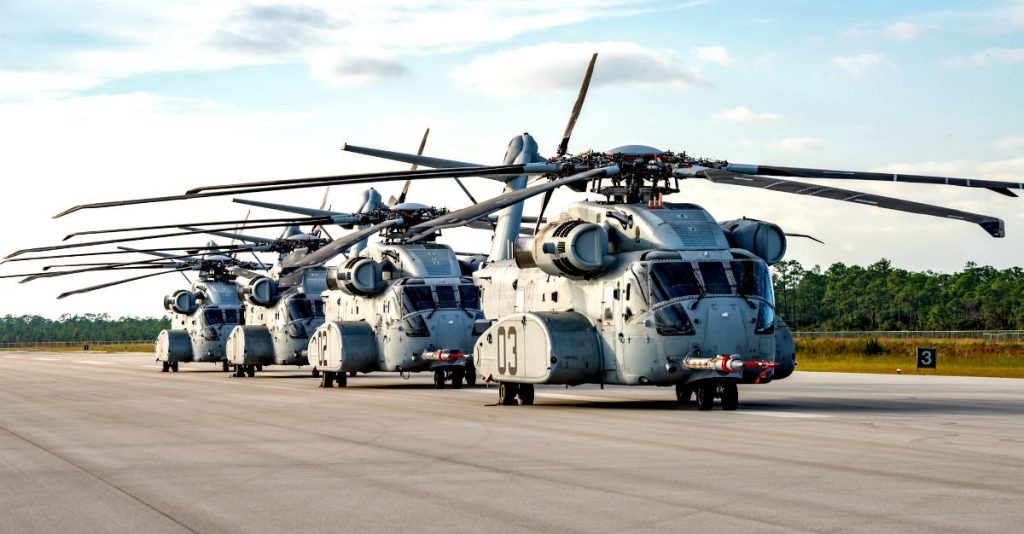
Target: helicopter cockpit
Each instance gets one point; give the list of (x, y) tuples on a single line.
[(676, 286), (418, 298)]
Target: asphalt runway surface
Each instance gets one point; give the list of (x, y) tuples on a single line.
[(91, 442)]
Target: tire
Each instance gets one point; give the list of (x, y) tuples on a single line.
[(470, 375), (438, 379), (730, 395), (166, 367), (327, 380), (174, 367), (526, 394), (259, 368), (239, 371), (225, 366), (507, 393), (251, 371), (457, 377), (341, 379), (706, 395), (316, 372), (684, 393)]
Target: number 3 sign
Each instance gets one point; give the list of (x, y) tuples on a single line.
[(926, 358)]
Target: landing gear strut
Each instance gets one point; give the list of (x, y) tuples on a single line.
[(707, 391), (510, 394)]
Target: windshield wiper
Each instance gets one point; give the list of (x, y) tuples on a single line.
[(700, 295)]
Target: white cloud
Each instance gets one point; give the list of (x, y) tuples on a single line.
[(797, 144), (218, 34), (560, 65), (712, 54), (900, 31), (744, 115), (861, 64), (988, 56), (1012, 142)]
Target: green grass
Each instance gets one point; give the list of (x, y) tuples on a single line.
[(124, 347), (959, 357)]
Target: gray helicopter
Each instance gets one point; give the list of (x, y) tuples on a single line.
[(638, 291), (201, 316), (632, 290)]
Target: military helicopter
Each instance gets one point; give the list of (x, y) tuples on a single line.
[(632, 290), (202, 315), (638, 291)]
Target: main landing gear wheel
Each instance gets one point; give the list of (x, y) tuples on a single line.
[(251, 371), (470, 376), (730, 395), (341, 379), (526, 394), (507, 393), (174, 367), (225, 366), (316, 372), (239, 371), (457, 377), (328, 380), (166, 367), (706, 395), (439, 379), (684, 393)]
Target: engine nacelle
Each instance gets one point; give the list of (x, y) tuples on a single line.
[(342, 347), (359, 277), (181, 301), (470, 264), (573, 249), (762, 239), (173, 346), (261, 291)]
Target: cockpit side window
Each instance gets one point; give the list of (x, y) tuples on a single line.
[(417, 298), (470, 296)]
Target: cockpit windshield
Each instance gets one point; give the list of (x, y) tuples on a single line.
[(305, 309), (217, 316), (673, 279), (417, 298)]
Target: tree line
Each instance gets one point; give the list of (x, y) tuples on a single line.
[(882, 297), (88, 327)]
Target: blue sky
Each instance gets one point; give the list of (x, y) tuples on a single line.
[(103, 100)]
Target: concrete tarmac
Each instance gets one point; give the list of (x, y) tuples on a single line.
[(91, 442)]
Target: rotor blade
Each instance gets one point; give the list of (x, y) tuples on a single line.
[(491, 205), (337, 246), (127, 239), (240, 222), (328, 251), (544, 205), (232, 235), (355, 178), (287, 208), (150, 252), (503, 170), (33, 276), (419, 152), (119, 282), (992, 225), (244, 221), (109, 266), (193, 250), (563, 147), (806, 236), (426, 161), (1003, 188)]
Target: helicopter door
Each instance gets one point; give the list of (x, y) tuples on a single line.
[(611, 321)]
